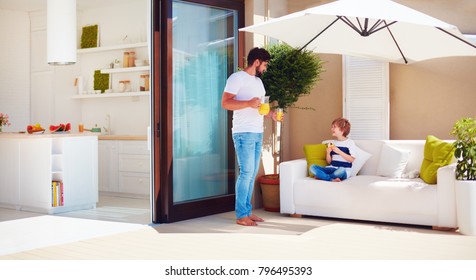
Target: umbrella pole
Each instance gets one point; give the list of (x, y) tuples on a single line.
[(396, 43), (441, 29), (327, 27)]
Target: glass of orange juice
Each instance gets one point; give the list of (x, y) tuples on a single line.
[(264, 107), (279, 114)]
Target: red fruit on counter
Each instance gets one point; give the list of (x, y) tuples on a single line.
[(54, 128)]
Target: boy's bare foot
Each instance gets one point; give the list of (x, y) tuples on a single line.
[(246, 221), (337, 180), (255, 218)]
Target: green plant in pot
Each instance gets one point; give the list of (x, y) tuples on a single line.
[(291, 74), (465, 152), (465, 132)]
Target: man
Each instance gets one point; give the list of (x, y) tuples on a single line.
[(242, 95)]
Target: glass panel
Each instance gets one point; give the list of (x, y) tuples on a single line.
[(203, 43)]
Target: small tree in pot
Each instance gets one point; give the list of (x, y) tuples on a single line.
[(465, 153), (465, 132), (291, 73)]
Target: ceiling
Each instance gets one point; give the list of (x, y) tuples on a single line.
[(35, 5)]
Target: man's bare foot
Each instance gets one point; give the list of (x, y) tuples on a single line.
[(255, 218), (337, 180), (246, 221)]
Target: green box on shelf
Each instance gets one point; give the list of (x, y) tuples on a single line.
[(89, 37), (101, 81)]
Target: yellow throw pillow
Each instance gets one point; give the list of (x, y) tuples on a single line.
[(315, 154), (437, 153)]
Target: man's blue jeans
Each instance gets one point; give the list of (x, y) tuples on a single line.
[(248, 152), (328, 173)]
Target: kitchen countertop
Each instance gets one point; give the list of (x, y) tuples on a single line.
[(72, 134), (24, 135), (122, 137)]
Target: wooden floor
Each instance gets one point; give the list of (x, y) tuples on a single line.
[(120, 229)]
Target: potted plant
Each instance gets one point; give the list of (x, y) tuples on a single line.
[(291, 73), (465, 152), (4, 121)]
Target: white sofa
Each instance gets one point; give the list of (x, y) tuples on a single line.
[(368, 196)]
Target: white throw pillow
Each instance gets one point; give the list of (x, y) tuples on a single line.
[(392, 161), (361, 158)]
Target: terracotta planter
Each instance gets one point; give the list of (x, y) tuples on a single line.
[(270, 192)]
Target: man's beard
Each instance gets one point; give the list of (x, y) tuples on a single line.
[(258, 73)]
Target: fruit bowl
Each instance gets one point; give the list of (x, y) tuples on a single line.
[(36, 131)]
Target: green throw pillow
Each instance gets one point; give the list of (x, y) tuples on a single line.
[(437, 154), (315, 154)]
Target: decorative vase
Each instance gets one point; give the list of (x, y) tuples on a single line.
[(1, 128), (270, 192), (466, 206)]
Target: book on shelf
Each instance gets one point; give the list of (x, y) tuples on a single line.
[(57, 193)]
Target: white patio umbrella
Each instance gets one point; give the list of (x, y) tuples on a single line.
[(376, 29)]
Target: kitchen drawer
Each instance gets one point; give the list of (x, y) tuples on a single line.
[(133, 148), (134, 163), (136, 183)]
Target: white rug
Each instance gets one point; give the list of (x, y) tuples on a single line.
[(42, 231)]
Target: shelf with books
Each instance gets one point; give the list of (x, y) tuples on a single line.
[(57, 193)]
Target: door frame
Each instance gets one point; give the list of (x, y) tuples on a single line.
[(163, 208)]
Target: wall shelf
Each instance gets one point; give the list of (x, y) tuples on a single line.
[(114, 94), (112, 48), (125, 69)]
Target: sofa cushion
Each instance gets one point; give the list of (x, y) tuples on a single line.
[(361, 158), (315, 154), (437, 153), (392, 161)]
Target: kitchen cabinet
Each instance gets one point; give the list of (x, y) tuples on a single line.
[(98, 58), (108, 177), (124, 167), (33, 162)]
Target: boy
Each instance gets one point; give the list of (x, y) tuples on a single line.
[(339, 154)]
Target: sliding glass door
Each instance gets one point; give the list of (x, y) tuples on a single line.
[(201, 50)]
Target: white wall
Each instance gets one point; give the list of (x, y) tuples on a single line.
[(15, 68), (27, 78), (129, 115)]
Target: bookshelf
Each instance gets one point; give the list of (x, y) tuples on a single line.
[(41, 160)]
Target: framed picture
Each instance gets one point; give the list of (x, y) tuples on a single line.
[(101, 81), (90, 37)]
